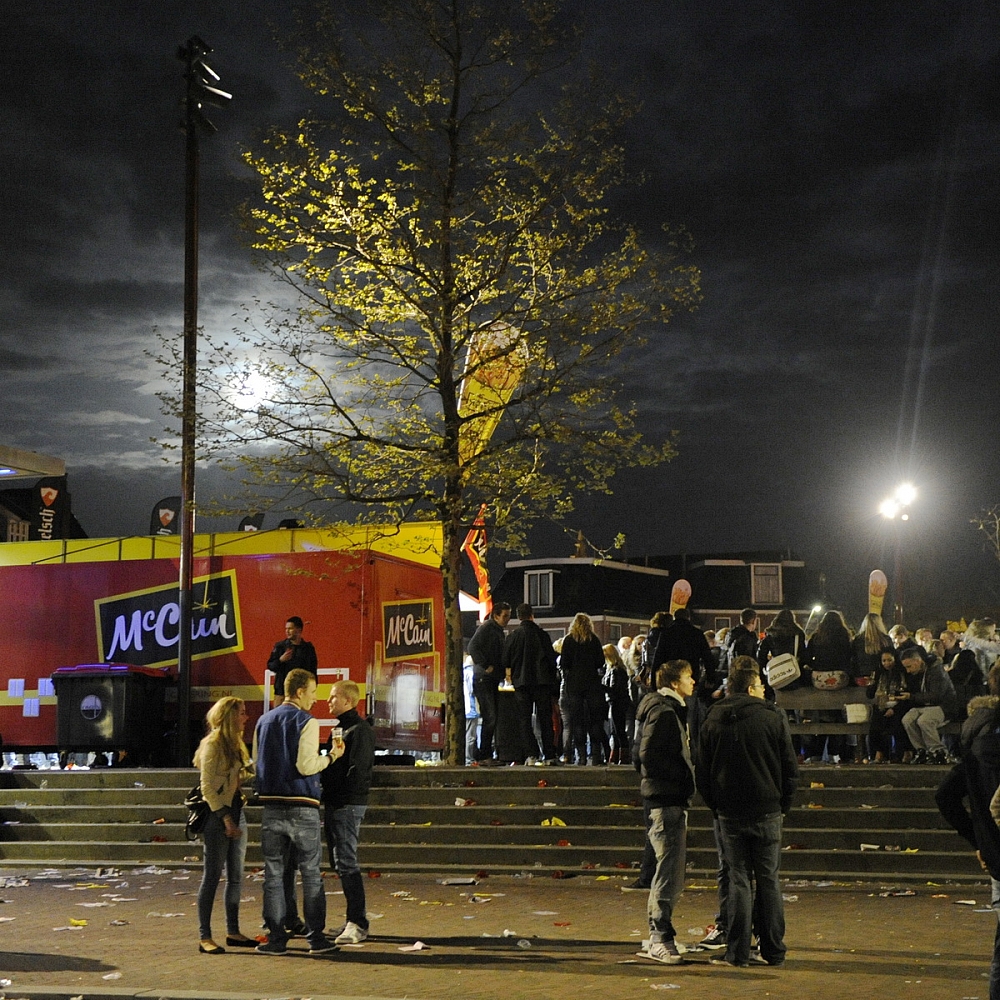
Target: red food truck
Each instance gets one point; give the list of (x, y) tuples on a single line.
[(370, 599)]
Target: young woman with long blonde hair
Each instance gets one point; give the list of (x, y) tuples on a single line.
[(223, 761)]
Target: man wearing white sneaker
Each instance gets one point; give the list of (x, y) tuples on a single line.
[(346, 783), (667, 787)]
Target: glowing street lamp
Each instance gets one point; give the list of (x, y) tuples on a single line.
[(898, 505)]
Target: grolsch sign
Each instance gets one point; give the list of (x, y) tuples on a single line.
[(408, 629), (143, 627), (49, 509)]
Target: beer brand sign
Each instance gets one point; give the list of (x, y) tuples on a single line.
[(143, 627), (407, 629)]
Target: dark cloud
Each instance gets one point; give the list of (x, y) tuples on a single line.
[(835, 163)]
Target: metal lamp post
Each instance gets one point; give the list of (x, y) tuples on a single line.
[(200, 90)]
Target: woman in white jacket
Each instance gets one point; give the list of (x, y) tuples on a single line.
[(223, 761)]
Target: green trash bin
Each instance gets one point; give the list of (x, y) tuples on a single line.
[(110, 706)]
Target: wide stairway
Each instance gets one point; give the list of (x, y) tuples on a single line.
[(463, 821)]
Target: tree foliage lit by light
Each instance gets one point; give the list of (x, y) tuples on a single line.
[(447, 185)]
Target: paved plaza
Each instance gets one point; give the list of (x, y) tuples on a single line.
[(504, 938)]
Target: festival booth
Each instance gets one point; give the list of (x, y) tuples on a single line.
[(370, 599)]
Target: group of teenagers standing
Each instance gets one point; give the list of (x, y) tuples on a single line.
[(306, 791), (694, 726), (566, 692)]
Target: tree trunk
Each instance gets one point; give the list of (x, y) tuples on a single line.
[(451, 554)]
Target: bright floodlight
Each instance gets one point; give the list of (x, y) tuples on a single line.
[(889, 508), (906, 494), (817, 608)]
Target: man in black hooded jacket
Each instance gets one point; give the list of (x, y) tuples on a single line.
[(746, 772)]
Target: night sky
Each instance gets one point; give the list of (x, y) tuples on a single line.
[(836, 165)]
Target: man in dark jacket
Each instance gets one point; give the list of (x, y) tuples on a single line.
[(743, 639), (530, 661), (346, 783), (290, 653), (667, 787), (976, 778), (486, 650), (747, 773), (684, 641), (930, 700)]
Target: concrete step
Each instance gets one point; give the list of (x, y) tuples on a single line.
[(105, 817)]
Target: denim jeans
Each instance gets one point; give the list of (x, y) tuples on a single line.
[(281, 828), (537, 698), (722, 880), (647, 866), (752, 849), (220, 851), (342, 828), (485, 690), (668, 835)]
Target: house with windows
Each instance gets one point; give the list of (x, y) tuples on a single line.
[(621, 597)]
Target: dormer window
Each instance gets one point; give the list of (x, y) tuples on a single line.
[(538, 589)]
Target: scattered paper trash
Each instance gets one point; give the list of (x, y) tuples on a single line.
[(545, 913), (523, 944), (664, 986), (416, 946), (112, 975), (869, 847), (789, 898), (4, 983), (964, 902), (118, 923), (456, 881)]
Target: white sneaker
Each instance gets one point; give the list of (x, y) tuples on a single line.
[(663, 951), (351, 934)]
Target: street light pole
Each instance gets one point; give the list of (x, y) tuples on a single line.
[(198, 75), (898, 506)]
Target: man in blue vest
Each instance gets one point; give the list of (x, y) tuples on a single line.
[(286, 749)]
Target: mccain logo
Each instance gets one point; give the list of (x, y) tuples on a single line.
[(408, 629), (143, 627)]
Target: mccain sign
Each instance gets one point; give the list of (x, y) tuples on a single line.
[(407, 629), (142, 627)]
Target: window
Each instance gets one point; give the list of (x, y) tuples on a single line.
[(17, 531), (765, 583), (614, 633), (721, 623), (538, 588)]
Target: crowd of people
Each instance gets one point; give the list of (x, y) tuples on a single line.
[(915, 685), (697, 710)]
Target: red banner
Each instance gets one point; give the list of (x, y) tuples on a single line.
[(475, 547)]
